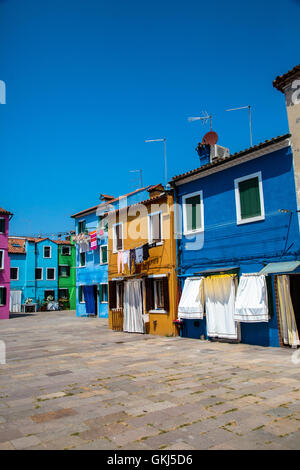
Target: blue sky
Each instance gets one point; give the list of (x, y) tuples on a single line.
[(89, 80)]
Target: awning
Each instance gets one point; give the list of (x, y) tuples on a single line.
[(283, 267)]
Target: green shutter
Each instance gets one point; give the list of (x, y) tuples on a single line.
[(104, 254), (193, 213), (250, 198)]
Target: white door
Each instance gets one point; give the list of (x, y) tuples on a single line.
[(133, 307), (15, 301)]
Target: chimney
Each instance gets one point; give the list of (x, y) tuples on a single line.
[(289, 85)]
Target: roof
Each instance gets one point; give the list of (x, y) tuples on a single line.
[(281, 267), (12, 245), (282, 80), (94, 208), (3, 211), (235, 156), (62, 242)]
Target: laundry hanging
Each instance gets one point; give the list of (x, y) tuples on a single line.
[(219, 294), (15, 301), (93, 236), (288, 324), (191, 303), (251, 304), (133, 307)]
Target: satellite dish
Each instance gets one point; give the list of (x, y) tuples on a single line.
[(211, 138)]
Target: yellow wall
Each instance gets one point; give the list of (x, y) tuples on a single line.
[(162, 259)]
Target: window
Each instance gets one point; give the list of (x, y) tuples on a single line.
[(47, 251), (2, 296), (193, 213), (63, 294), (81, 226), (14, 274), (157, 294), (64, 270), (118, 237), (81, 295), (2, 225), (82, 260), (1, 259), (249, 198), (103, 222), (65, 250), (120, 294), (38, 274), (50, 274), (103, 291), (103, 254), (49, 293), (155, 227)]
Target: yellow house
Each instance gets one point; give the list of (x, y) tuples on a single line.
[(142, 270)]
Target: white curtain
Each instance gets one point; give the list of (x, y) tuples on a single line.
[(219, 306), (251, 304), (133, 307), (15, 301), (288, 324), (192, 299)]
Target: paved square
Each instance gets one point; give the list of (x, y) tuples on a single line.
[(71, 383)]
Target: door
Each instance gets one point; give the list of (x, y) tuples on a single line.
[(15, 301)]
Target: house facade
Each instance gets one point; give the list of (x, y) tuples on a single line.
[(34, 270), (5, 217), (142, 266), (237, 220), (92, 262), (67, 273)]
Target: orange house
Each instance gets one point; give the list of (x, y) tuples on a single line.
[(142, 268)]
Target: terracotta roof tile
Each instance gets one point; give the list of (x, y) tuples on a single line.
[(16, 245), (234, 156), (3, 211), (283, 80)]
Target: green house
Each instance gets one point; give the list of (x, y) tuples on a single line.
[(66, 274)]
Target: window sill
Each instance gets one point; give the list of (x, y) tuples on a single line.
[(103, 302), (158, 311), (80, 267), (156, 243), (250, 220), (194, 232), (103, 264)]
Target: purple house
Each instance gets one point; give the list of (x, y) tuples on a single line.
[(5, 217)]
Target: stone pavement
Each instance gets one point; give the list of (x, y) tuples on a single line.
[(71, 383)]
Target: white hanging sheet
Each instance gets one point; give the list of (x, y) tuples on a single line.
[(219, 305), (133, 307), (15, 301), (251, 304), (289, 331), (191, 303)]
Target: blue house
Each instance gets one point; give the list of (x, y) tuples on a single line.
[(92, 264), (237, 215), (34, 269)]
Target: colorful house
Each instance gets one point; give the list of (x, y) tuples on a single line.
[(142, 266), (67, 273), (5, 217), (238, 221), (92, 264), (34, 270)]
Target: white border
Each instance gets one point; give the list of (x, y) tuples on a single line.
[(187, 196), (3, 255), (65, 246), (104, 301), (82, 220), (102, 246), (115, 238), (81, 301), (239, 219), (3, 218), (156, 310), (42, 278), (4, 287), (161, 228), (47, 257), (15, 267), (54, 279)]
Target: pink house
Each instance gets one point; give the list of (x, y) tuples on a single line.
[(5, 217)]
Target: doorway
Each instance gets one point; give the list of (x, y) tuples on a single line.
[(295, 294), (95, 293)]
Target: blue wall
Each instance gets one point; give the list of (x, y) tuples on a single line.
[(250, 246), (41, 262)]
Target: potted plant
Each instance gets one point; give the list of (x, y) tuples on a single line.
[(64, 303)]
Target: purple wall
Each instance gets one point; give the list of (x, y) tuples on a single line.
[(5, 273)]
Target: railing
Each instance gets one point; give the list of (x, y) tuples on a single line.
[(117, 316)]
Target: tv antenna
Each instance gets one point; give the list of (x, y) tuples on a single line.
[(250, 120), (204, 118), (141, 174)]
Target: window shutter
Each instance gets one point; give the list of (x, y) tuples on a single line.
[(112, 294), (250, 198), (104, 254), (149, 294), (166, 294)]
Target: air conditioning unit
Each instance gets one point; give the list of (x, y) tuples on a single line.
[(216, 152)]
